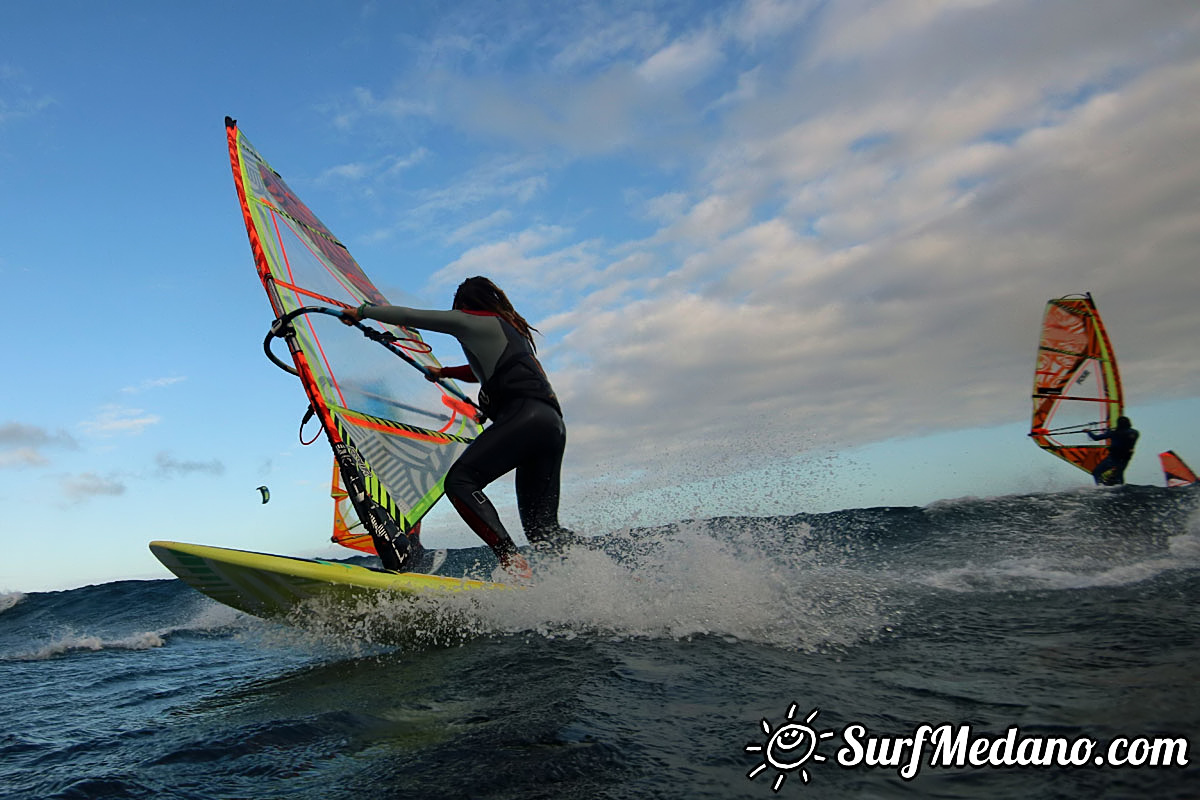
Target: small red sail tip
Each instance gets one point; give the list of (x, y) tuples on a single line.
[(1175, 471)]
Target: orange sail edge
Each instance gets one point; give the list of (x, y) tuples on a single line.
[(1175, 471), (347, 530)]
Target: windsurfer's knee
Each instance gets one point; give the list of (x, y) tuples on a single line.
[(462, 481)]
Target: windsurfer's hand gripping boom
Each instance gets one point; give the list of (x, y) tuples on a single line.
[(281, 328), (354, 316)]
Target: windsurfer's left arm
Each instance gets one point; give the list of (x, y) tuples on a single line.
[(455, 323), (1095, 437)]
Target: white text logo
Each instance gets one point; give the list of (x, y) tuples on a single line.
[(792, 745)]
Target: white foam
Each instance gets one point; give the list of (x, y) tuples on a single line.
[(1185, 545), (685, 584), (1020, 574), (210, 616), (75, 642), (10, 599)]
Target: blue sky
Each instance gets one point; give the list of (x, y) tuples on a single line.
[(787, 256)]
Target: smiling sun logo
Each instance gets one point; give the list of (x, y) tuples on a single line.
[(788, 747)]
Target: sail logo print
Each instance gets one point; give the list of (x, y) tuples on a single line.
[(788, 747)]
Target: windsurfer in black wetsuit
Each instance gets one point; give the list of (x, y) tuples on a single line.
[(527, 431), (1121, 441)]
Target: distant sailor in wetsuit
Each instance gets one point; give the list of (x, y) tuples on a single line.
[(527, 431), (1121, 441)]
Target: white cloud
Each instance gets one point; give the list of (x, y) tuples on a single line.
[(21, 445), (710, 219), (17, 433), (472, 229), (86, 485), (506, 181), (373, 171), (153, 383), (530, 262), (18, 98), (169, 466), (610, 38), (682, 63), (865, 26), (362, 103), (22, 457), (756, 20), (114, 419)]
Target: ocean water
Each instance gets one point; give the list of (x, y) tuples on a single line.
[(1038, 632)]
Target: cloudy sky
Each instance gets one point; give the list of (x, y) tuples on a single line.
[(786, 256)]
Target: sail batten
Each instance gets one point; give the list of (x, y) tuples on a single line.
[(394, 434), (1076, 384)]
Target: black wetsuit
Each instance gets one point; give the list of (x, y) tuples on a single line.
[(1121, 441), (526, 433)]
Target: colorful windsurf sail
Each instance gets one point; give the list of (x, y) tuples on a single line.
[(394, 434), (1076, 386), (1175, 471)]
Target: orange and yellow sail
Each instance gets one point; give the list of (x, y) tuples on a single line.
[(1076, 385)]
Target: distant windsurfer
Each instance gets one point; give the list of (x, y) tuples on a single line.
[(1121, 441), (527, 431)]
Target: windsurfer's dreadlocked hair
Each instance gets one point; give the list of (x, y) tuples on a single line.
[(480, 294)]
